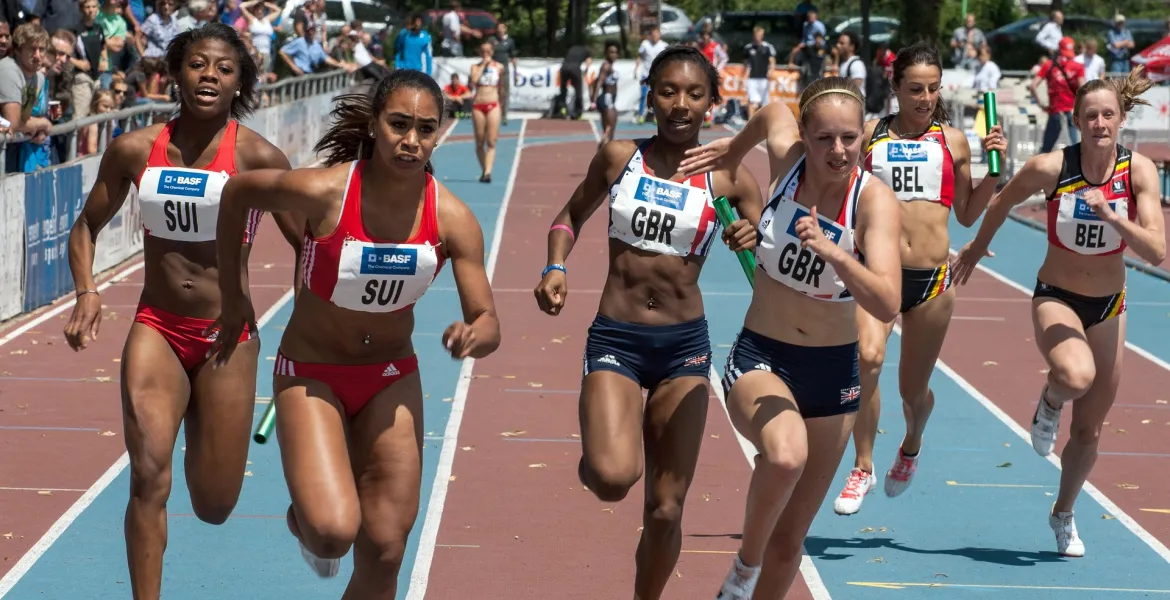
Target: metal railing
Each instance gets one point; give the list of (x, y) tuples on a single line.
[(144, 115)]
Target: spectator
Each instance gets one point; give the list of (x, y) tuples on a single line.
[(760, 57), (1093, 64), (90, 42), (199, 13), (1051, 33), (648, 50), (118, 57), (153, 84), (159, 29), (5, 39), (61, 14), (571, 74), (87, 139), (24, 99), (59, 73), (1064, 76), (852, 67), (964, 37), (988, 74), (504, 52), (260, 14), (110, 19), (457, 96), (368, 67), (412, 48), (1119, 42), (310, 15), (231, 14), (305, 55), (812, 26), (811, 59), (454, 29)]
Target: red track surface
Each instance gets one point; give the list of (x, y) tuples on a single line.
[(508, 495), (70, 462)]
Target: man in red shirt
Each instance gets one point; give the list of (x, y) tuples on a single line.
[(1064, 76), (458, 97)]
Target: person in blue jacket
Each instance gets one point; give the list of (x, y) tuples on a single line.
[(412, 49)]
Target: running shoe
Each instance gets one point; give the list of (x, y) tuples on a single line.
[(899, 476), (323, 567), (857, 486), (1045, 425), (1068, 543), (740, 583)]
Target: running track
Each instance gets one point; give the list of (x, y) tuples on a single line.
[(502, 513)]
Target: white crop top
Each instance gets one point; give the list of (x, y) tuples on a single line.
[(778, 249), (661, 216)]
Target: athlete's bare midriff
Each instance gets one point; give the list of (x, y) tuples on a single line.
[(651, 289), (784, 314), (925, 239), (319, 332), (1080, 274)]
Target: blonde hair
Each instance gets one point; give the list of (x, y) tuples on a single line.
[(820, 90), (1127, 89)]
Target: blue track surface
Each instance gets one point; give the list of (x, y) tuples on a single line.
[(985, 535)]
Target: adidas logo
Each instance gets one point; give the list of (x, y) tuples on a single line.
[(609, 359), (391, 371), (763, 367)]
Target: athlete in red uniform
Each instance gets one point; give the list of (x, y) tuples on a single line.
[(927, 163), (1102, 198), (347, 388), (179, 170), (650, 331)]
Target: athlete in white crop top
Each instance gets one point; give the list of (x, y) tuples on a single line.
[(650, 332), (485, 108), (1099, 194), (604, 92), (792, 372), (178, 170), (346, 381)]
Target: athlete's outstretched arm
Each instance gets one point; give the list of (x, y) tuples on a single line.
[(1040, 171), (970, 201), (478, 334), (1147, 237), (746, 198), (553, 288), (253, 154), (115, 174), (774, 125), (877, 284)]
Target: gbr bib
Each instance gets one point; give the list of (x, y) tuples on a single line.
[(656, 215), (182, 204), (352, 270), (1072, 224), (916, 169), (779, 252)]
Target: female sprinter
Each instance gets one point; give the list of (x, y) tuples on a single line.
[(927, 164), (829, 236), (605, 89), (485, 109), (1102, 198), (346, 383), (180, 169), (650, 332)]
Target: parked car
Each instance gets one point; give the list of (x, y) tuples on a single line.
[(480, 20), (1014, 47), (374, 15), (782, 28), (882, 30), (673, 23)]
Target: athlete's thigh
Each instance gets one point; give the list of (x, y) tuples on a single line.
[(493, 123), (155, 394), (762, 409), (1059, 334), (1107, 341), (676, 415), (924, 329), (219, 421), (386, 452), (314, 450), (478, 122), (610, 409)]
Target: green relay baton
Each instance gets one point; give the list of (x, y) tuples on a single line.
[(746, 259), (991, 119), (267, 422)]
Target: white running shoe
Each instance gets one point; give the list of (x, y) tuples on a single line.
[(1045, 425), (900, 475), (857, 486), (740, 583), (1068, 543), (323, 567)]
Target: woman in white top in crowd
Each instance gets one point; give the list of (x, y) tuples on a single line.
[(260, 14), (829, 236)]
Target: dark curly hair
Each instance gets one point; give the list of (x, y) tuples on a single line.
[(689, 54), (348, 137), (176, 57)]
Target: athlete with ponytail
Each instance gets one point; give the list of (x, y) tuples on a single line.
[(1102, 198), (927, 163), (650, 332), (346, 383)]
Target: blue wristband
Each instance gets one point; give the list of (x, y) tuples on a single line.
[(556, 267)]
